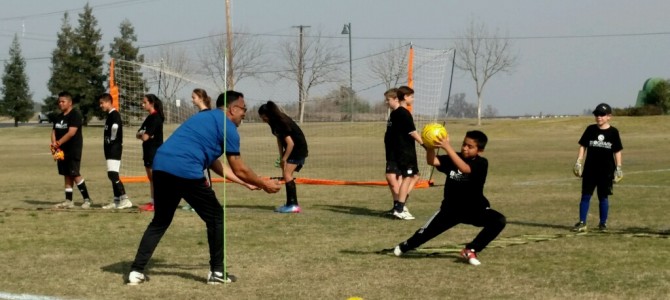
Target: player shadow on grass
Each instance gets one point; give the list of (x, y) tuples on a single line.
[(633, 231), (259, 207), (157, 267), (352, 210), (41, 202), (414, 254)]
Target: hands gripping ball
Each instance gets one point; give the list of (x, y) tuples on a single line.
[(57, 153), (432, 133)]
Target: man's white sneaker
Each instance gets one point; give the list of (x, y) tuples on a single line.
[(219, 278), (125, 203), (397, 251), (135, 278), (403, 215)]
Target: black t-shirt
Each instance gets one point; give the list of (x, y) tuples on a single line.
[(73, 147), (113, 145), (464, 192), (600, 144), (401, 124), (300, 143), (153, 126)]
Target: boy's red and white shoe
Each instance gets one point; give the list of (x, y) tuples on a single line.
[(470, 256)]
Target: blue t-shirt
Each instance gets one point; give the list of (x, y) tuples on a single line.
[(196, 144)]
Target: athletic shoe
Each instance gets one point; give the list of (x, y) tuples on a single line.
[(65, 204), (110, 206), (580, 227), (218, 278), (147, 207), (187, 207), (287, 209), (397, 251), (602, 227), (470, 256), (125, 203), (403, 215), (135, 278), (86, 204)]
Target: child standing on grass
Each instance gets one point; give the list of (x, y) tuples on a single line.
[(292, 147), (401, 135), (113, 148), (601, 144), (151, 134), (464, 200)]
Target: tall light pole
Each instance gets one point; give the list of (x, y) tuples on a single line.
[(347, 30)]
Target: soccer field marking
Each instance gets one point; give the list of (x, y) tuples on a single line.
[(567, 179), (10, 296)]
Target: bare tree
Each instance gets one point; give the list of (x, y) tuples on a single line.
[(483, 55), (247, 55), (310, 61), (175, 71), (390, 66)]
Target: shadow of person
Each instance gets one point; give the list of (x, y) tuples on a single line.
[(352, 210)]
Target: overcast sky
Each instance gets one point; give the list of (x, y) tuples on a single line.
[(572, 54)]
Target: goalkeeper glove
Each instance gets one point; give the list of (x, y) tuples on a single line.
[(577, 169), (278, 162), (57, 153), (618, 174)]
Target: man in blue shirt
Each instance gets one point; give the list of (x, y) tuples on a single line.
[(177, 166)]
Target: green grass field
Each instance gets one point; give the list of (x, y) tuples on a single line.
[(331, 250)]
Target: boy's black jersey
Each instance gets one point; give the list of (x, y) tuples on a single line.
[(113, 143), (153, 126), (600, 144), (73, 147), (399, 127), (464, 192)]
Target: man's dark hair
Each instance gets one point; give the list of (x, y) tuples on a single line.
[(479, 137), (227, 98), (106, 97), (65, 94)]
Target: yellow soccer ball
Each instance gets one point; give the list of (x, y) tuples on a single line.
[(432, 133)]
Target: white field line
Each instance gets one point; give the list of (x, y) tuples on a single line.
[(10, 296), (565, 181)]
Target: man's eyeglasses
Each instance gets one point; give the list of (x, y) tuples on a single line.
[(243, 108)]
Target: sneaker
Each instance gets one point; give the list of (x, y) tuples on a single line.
[(86, 204), (397, 251), (403, 215), (470, 256), (580, 227), (125, 203), (135, 278), (188, 207), (602, 227), (218, 278), (147, 207), (110, 205), (287, 209), (65, 204)]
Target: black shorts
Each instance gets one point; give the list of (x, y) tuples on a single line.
[(408, 170), (148, 157), (604, 186), (392, 168), (69, 167)]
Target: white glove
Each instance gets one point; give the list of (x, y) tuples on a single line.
[(577, 169), (618, 174)]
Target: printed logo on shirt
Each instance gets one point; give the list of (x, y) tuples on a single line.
[(61, 125), (600, 143), (458, 176)]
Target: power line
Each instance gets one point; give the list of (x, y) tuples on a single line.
[(112, 4)]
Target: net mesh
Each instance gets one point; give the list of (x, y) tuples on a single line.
[(341, 151)]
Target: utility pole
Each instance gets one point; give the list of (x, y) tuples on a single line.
[(229, 48), (301, 74)]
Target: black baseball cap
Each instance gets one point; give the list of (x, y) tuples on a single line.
[(602, 109)]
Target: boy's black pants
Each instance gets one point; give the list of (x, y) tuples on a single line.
[(492, 221)]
